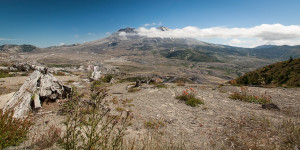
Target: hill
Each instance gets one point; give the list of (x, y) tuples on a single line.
[(286, 73), (17, 48)]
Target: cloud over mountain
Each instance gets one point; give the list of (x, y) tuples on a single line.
[(276, 34)]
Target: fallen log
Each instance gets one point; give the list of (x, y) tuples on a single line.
[(40, 86), (20, 102)]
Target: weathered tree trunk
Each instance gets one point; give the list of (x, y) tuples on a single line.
[(43, 85), (96, 73), (20, 102), (50, 87), (37, 101)]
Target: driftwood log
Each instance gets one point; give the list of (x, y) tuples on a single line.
[(96, 73), (20, 102), (41, 85)]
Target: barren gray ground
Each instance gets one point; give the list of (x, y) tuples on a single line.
[(196, 126)]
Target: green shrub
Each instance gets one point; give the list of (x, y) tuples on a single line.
[(245, 95), (154, 124), (91, 125), (13, 131), (160, 85), (96, 84), (189, 98), (48, 138), (133, 89), (107, 78), (5, 74)]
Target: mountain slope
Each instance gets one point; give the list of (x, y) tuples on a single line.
[(129, 39), (17, 48), (286, 73)]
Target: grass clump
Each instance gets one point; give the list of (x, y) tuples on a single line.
[(180, 83), (107, 78), (60, 73), (160, 85), (48, 138), (189, 98), (154, 124), (5, 74), (13, 131), (96, 84), (133, 89), (246, 96)]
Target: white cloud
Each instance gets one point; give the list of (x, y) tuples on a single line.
[(153, 24), (276, 34), (76, 36), (61, 43), (6, 39), (91, 34)]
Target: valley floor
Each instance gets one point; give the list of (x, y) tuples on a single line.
[(208, 126)]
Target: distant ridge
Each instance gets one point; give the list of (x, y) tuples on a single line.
[(17, 48), (265, 46)]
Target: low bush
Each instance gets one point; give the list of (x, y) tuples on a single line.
[(91, 125), (189, 98), (160, 85), (5, 74), (133, 89), (154, 124), (246, 95), (13, 131), (107, 78), (47, 139), (180, 83), (96, 84)]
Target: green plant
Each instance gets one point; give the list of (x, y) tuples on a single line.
[(96, 84), (5, 74), (107, 78), (160, 85), (47, 139), (180, 83), (285, 73), (13, 131), (91, 125), (189, 98), (154, 124), (246, 95)]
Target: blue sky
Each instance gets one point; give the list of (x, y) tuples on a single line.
[(52, 22)]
